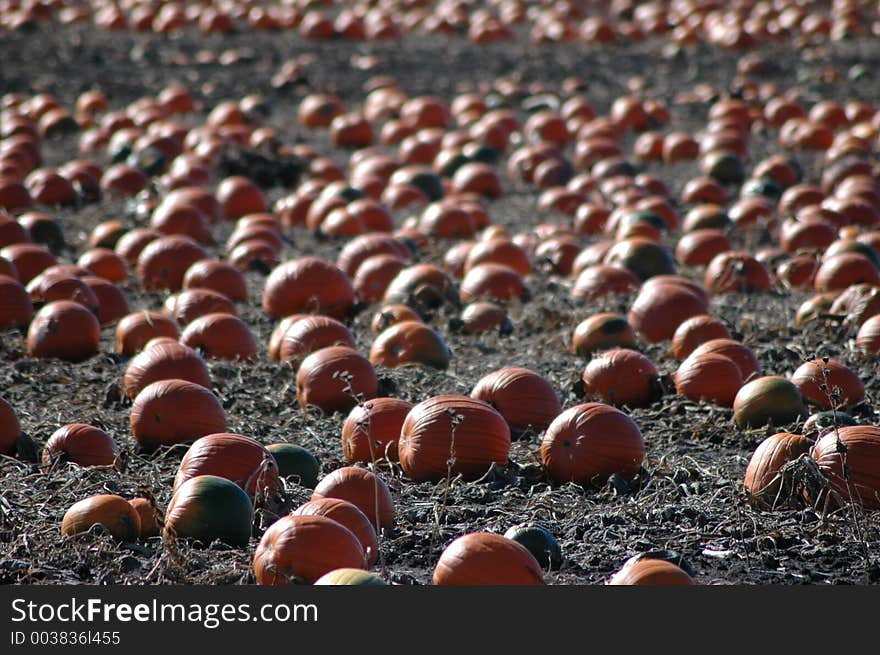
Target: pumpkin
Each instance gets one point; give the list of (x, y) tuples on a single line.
[(599, 280), (209, 508), (821, 422), (642, 257), (335, 379), (221, 336), (81, 444), (110, 511), (112, 305), (29, 259), (239, 196), (374, 275), (308, 285), (350, 577), (174, 411), (371, 430), (699, 247), (304, 548), (711, 377), (409, 343), (659, 309), (347, 514), (525, 399), (858, 303), (164, 361), (64, 329), (454, 435), (851, 469), (769, 399), (621, 377), (187, 306), (216, 275), (150, 518), (588, 443), (696, 331), (736, 271), (131, 244), (539, 542), (763, 481), (390, 315), (16, 309), (844, 270), (163, 262), (483, 558), (741, 355), (363, 489), (297, 462), (10, 429), (309, 334), (827, 382), (868, 336), (104, 263), (135, 330), (499, 250), (242, 460), (421, 285), (650, 571), (601, 331)]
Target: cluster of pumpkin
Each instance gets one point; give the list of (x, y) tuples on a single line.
[(741, 26)]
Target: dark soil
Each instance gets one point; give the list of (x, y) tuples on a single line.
[(688, 496)]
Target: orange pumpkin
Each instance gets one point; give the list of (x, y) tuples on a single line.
[(221, 336), (239, 196), (588, 443), (650, 571), (421, 285), (310, 334), (363, 489), (868, 337), (601, 280), (29, 259), (735, 271), (602, 331), (308, 285), (150, 517), (699, 247), (64, 329), (16, 308), (242, 460), (481, 316), (696, 331), (216, 275), (174, 411), (484, 558), (187, 306), (347, 514), (305, 548), (827, 383), (130, 245), (163, 262), (762, 481), (452, 435), (135, 330), (741, 355), (642, 257), (525, 399), (371, 430), (769, 399), (81, 444), (710, 377), (851, 467), (110, 511), (408, 343), (660, 308), (10, 429), (844, 270), (621, 377), (391, 315), (104, 263), (335, 379)]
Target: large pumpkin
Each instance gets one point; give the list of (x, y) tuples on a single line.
[(622, 377), (524, 398), (363, 489), (769, 399), (335, 379), (452, 434), (308, 285), (762, 481), (371, 431), (209, 508), (82, 444), (484, 558), (305, 548), (240, 459), (173, 411), (113, 512), (164, 361), (827, 382), (590, 442), (852, 469), (348, 515)]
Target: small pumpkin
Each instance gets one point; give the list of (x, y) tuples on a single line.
[(135, 330), (304, 548), (151, 518), (335, 379), (209, 508), (481, 317), (350, 516), (174, 411), (642, 257), (484, 558), (539, 542), (216, 275), (163, 262), (622, 377), (188, 305), (742, 355), (371, 430), (220, 336), (81, 444), (711, 377), (242, 460), (16, 309), (525, 399), (64, 329), (602, 331), (696, 331), (390, 315), (409, 343), (660, 308), (826, 383), (112, 512), (363, 489), (736, 271), (296, 462), (650, 571), (770, 399), (762, 482), (349, 577)]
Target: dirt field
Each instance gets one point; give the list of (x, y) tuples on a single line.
[(687, 498)]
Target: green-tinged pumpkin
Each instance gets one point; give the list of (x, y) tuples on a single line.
[(539, 542), (296, 462), (209, 508), (769, 399)]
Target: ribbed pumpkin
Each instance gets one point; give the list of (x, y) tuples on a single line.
[(390, 315), (650, 571), (209, 508), (525, 399), (409, 343), (588, 443), (220, 336), (188, 305), (334, 379), (308, 285), (484, 558), (242, 460), (841, 384), (165, 361), (696, 331), (601, 331), (304, 548), (309, 334), (363, 489), (762, 481), (112, 512), (741, 355), (350, 516), (173, 411), (296, 462), (361, 248), (735, 271), (621, 377), (374, 276), (769, 399), (10, 429), (81, 444), (853, 473), (711, 377), (350, 577), (660, 308), (371, 431), (454, 434), (135, 330), (64, 329)]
